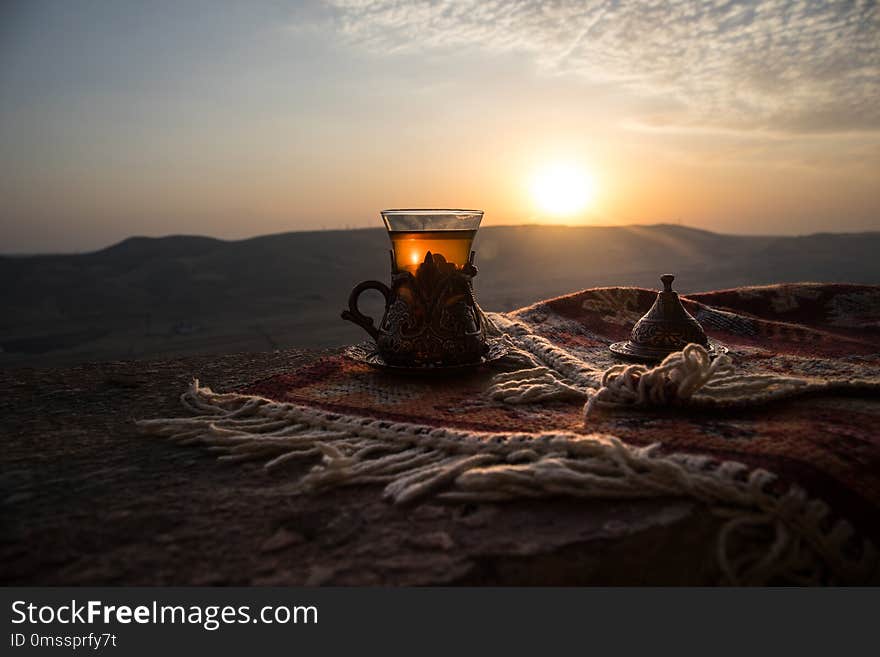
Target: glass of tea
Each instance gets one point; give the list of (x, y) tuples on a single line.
[(414, 233), (431, 317)]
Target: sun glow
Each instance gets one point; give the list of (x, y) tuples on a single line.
[(562, 189)]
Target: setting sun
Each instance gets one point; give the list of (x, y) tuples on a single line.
[(562, 189)]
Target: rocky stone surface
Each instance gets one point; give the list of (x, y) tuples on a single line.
[(87, 500)]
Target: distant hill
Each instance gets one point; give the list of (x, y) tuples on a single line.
[(148, 297)]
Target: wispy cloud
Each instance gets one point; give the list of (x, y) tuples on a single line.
[(784, 65)]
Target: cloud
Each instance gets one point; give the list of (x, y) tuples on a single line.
[(783, 65)]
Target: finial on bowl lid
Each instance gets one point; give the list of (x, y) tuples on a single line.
[(665, 328)]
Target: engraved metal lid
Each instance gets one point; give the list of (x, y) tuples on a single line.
[(665, 328)]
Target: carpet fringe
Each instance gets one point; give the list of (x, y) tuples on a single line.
[(689, 377), (766, 536)]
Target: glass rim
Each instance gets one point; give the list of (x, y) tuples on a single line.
[(428, 211)]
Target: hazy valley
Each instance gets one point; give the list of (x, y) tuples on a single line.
[(146, 297)]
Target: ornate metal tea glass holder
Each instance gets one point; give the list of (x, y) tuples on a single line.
[(431, 318)]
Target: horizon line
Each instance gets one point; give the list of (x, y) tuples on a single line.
[(661, 224)]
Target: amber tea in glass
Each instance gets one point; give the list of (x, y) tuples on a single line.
[(447, 233)]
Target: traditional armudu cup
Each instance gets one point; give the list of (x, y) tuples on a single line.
[(431, 318)]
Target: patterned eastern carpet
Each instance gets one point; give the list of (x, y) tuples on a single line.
[(827, 444)]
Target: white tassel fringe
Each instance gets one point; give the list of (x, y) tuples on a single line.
[(765, 537)]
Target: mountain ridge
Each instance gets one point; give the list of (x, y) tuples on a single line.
[(147, 296), (171, 237)]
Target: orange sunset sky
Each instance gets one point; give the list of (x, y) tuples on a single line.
[(236, 119)]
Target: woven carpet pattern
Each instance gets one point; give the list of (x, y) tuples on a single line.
[(828, 444)]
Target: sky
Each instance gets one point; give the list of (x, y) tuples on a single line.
[(234, 119)]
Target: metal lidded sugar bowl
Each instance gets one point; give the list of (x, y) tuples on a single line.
[(667, 327)]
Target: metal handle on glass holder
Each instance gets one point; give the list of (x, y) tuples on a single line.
[(353, 314)]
